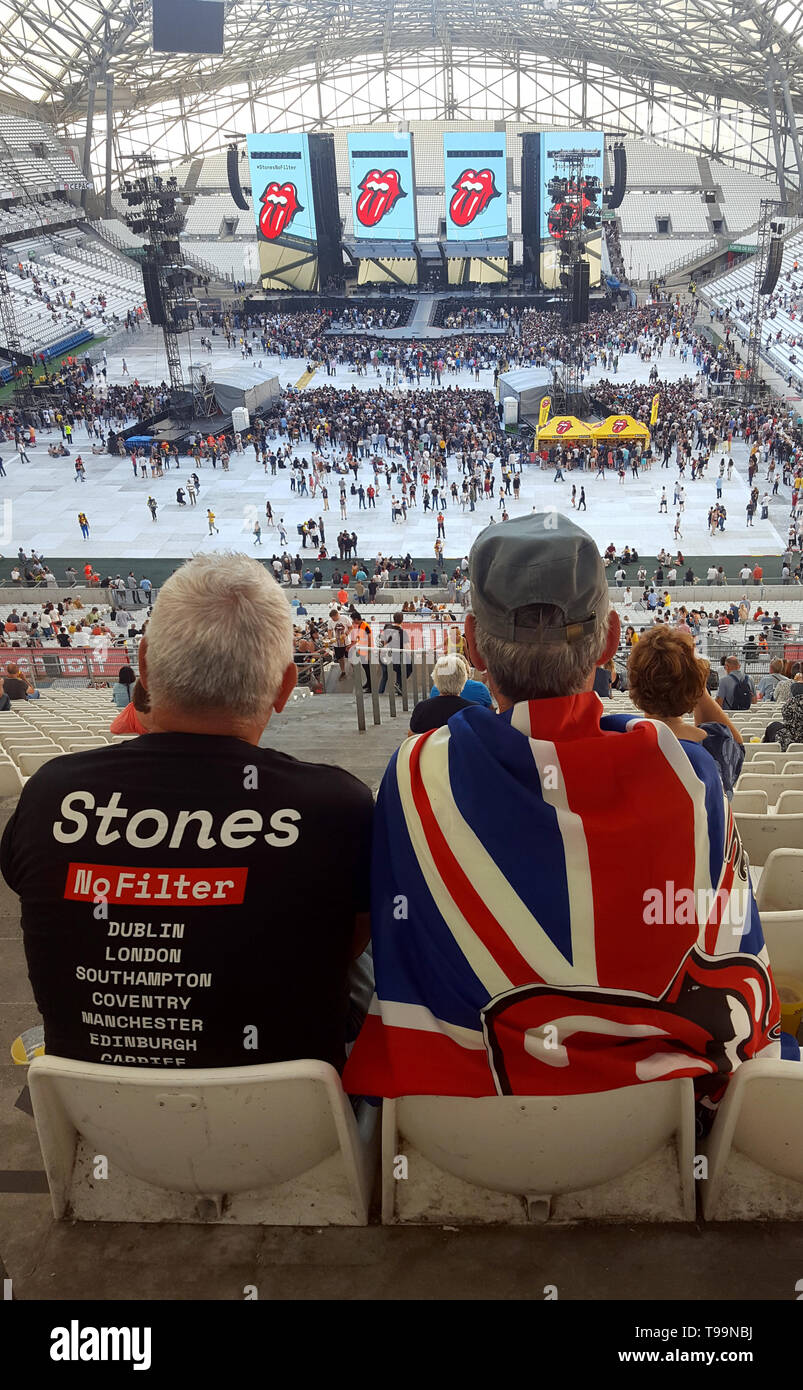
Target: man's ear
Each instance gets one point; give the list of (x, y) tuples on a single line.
[(471, 642), (142, 656), (614, 633), (288, 685)]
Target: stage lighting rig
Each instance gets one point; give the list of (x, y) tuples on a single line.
[(155, 218)]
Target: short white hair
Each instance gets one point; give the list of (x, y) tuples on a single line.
[(541, 670), (450, 673), (220, 637)]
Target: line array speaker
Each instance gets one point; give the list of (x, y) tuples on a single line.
[(530, 203), (153, 294), (619, 176), (580, 281), (327, 211), (773, 270), (233, 172)]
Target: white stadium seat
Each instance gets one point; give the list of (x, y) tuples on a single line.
[(753, 802), (510, 1158), (263, 1145), (760, 835), (780, 887), (755, 1149)]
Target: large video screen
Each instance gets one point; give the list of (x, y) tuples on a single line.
[(475, 169), (552, 224), (382, 186), (188, 26), (281, 185)]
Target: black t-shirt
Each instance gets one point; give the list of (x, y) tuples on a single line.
[(436, 711), (208, 951), (15, 688)]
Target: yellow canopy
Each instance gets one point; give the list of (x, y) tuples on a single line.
[(564, 427), (622, 427)]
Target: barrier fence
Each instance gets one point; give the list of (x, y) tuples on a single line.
[(414, 671), (40, 664)]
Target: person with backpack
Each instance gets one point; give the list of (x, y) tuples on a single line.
[(736, 690)]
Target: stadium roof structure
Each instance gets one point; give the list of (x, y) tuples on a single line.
[(722, 78)]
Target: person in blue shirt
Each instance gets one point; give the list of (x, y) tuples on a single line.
[(474, 691)]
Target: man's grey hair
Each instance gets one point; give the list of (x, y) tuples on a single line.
[(220, 637), (450, 673), (541, 670)]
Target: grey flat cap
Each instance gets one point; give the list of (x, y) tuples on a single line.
[(538, 559)]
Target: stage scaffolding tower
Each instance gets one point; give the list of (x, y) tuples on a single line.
[(152, 214), (575, 213)]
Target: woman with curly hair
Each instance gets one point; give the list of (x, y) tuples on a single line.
[(667, 681)]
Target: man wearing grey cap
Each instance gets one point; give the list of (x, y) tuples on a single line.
[(519, 948)]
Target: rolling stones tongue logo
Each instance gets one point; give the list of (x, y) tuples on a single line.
[(564, 217), (279, 206), (379, 192), (473, 192), (543, 1039)]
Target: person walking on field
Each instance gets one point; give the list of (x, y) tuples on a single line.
[(84, 525), (210, 516), (257, 533), (152, 507)]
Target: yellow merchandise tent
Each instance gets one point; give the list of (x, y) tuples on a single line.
[(622, 427), (564, 428)]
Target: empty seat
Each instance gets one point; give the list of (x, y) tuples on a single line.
[(510, 1158), (272, 1145), (772, 783), (29, 763), (760, 835), (753, 750), (766, 766), (783, 934), (753, 802), (790, 768), (76, 743), (789, 804), (755, 1149), (10, 780), (780, 887)]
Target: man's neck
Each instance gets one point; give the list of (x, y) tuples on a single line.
[(173, 722)]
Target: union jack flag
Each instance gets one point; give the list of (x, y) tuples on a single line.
[(513, 857)]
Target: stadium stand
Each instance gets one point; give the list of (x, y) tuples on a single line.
[(215, 215), (782, 336), (71, 283), (38, 162)]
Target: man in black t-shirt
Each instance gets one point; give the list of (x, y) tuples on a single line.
[(15, 686), (169, 907)]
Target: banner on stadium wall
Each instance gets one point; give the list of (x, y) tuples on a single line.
[(382, 185), (549, 144), (281, 185), (654, 408), (59, 663), (475, 174), (543, 413)]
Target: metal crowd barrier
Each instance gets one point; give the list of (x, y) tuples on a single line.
[(416, 682)]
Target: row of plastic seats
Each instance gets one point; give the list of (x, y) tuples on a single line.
[(280, 1145)]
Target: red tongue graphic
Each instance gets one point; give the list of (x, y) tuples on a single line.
[(379, 192), (474, 189), (279, 206)]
